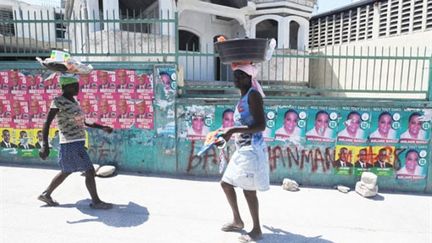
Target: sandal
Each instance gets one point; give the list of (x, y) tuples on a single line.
[(231, 228), (48, 200), (101, 205)]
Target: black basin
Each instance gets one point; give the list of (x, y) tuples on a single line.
[(236, 50)]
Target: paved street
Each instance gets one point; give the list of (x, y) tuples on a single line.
[(160, 209)]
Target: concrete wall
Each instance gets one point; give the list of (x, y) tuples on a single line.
[(309, 164), (166, 148)]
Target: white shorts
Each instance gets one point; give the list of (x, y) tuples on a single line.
[(248, 169)]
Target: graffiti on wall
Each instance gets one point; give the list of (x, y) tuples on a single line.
[(329, 140)]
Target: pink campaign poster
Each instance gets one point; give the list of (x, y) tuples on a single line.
[(35, 85), (125, 112), (17, 83), (5, 111), (125, 80), (4, 83), (52, 87), (20, 112), (144, 114), (144, 86), (88, 83), (106, 81), (89, 105), (107, 110), (38, 110)]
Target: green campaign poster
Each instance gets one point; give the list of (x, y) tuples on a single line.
[(322, 125), (414, 163), (271, 114), (385, 126), (354, 125), (413, 129), (291, 123)]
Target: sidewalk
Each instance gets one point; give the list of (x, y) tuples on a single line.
[(154, 209)]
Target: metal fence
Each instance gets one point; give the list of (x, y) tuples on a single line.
[(35, 33), (336, 71)]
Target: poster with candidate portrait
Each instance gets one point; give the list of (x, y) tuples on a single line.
[(37, 138), (383, 160), (4, 83), (167, 82), (107, 110), (414, 163), (271, 114), (198, 122), (413, 129), (125, 80), (17, 83), (291, 123), (89, 105), (5, 111), (144, 85), (125, 112), (8, 144), (322, 124), (354, 125), (106, 81), (20, 112), (52, 87), (223, 117), (38, 110), (344, 159), (35, 84), (362, 159), (88, 83), (24, 139), (385, 126), (144, 114)]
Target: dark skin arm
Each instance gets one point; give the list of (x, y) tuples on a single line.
[(51, 115), (106, 129), (256, 108), (45, 149)]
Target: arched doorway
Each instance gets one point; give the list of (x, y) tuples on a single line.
[(293, 34), (188, 41), (267, 29)]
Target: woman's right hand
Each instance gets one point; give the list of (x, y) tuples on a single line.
[(44, 152)]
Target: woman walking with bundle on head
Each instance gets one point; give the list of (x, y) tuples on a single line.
[(248, 168), (72, 157)]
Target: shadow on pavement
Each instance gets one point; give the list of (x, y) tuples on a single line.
[(129, 215), (279, 235), (378, 197)]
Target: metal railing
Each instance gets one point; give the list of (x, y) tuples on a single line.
[(355, 72), (336, 71), (91, 35)]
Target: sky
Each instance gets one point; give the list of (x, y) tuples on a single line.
[(326, 5), (323, 5)]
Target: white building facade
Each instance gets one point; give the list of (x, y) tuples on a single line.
[(393, 29)]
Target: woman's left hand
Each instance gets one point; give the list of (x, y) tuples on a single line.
[(226, 134)]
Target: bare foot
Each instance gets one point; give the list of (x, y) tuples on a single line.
[(254, 235), (101, 205)]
